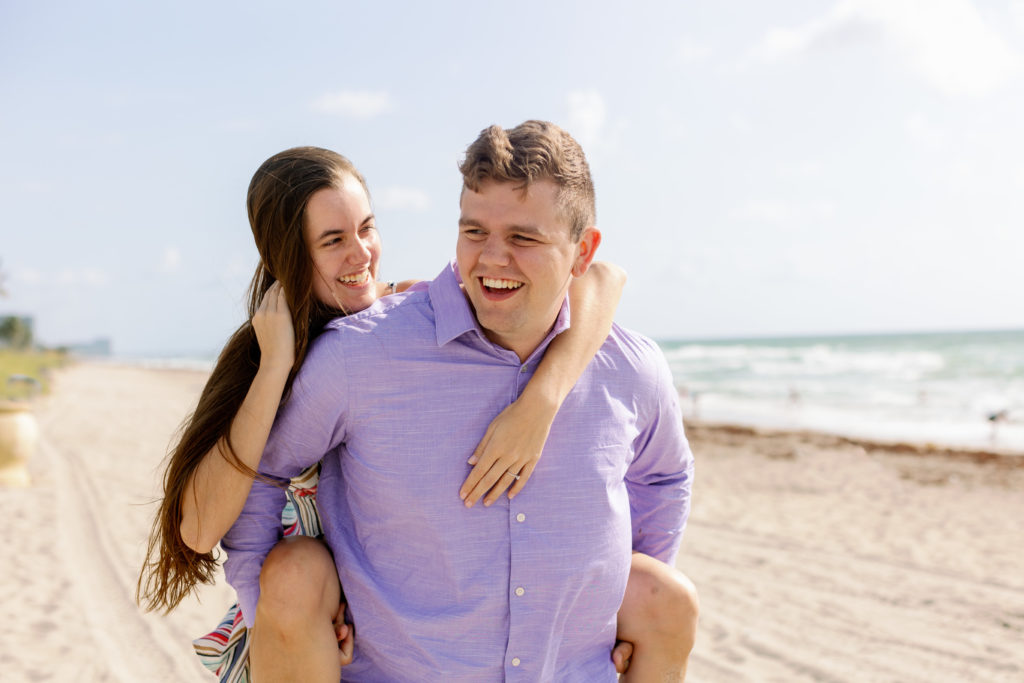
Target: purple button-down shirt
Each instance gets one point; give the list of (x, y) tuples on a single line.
[(397, 397)]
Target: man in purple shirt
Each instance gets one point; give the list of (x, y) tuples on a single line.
[(398, 395)]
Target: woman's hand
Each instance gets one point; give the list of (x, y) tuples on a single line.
[(621, 654), (511, 445), (274, 331), (346, 637)]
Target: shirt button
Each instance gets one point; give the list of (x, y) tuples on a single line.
[(520, 591), (520, 517), (515, 661), (522, 369)]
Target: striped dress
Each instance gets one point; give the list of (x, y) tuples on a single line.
[(225, 650)]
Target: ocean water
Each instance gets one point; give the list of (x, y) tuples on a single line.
[(941, 388), (938, 388)]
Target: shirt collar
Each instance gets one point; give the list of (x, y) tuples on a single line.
[(453, 316)]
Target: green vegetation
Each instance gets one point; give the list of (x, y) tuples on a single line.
[(16, 332), (36, 365), (24, 370)]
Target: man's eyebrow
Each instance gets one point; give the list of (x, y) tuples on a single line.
[(527, 229), (522, 229)]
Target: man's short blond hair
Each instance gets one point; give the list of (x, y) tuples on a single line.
[(533, 151)]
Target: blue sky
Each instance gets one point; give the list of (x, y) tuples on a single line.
[(762, 168)]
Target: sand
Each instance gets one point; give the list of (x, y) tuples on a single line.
[(817, 558), (74, 540), (822, 559)]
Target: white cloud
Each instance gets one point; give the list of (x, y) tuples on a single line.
[(356, 104), (170, 260), (587, 117), (740, 123), (30, 187), (947, 43), (65, 277), (401, 199), (1017, 13), (30, 276), (690, 51), (94, 276), (808, 168), (833, 30), (922, 130), (673, 126)]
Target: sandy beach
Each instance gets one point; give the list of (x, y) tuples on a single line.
[(818, 558)]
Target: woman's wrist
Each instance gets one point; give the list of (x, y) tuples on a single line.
[(275, 368), (542, 400)]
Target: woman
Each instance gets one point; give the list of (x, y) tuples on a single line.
[(319, 249)]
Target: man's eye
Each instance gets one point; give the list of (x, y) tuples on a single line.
[(367, 228), (523, 239)]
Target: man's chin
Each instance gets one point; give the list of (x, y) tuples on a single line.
[(495, 325)]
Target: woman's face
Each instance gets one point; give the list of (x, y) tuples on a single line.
[(344, 246)]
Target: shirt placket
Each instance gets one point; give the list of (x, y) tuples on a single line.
[(520, 655)]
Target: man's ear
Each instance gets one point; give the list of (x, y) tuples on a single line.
[(590, 240)]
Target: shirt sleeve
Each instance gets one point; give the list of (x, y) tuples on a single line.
[(660, 476), (308, 425)]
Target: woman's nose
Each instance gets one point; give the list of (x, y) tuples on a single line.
[(360, 250)]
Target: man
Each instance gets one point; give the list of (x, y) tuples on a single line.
[(526, 589)]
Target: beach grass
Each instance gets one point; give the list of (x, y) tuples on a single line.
[(19, 368)]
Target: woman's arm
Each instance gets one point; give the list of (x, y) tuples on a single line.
[(385, 288), (514, 440), (216, 492)]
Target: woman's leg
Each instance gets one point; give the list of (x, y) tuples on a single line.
[(659, 617), (293, 637)]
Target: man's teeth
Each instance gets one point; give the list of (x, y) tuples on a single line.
[(493, 283), (356, 279)]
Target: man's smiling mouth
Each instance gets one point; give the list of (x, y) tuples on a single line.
[(499, 285)]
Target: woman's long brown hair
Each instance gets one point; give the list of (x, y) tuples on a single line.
[(276, 202)]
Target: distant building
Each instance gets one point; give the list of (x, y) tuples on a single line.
[(100, 346)]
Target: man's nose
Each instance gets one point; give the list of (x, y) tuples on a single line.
[(495, 251)]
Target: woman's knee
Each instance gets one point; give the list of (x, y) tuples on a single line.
[(298, 578), (660, 602)]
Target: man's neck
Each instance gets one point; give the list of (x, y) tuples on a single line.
[(523, 348)]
